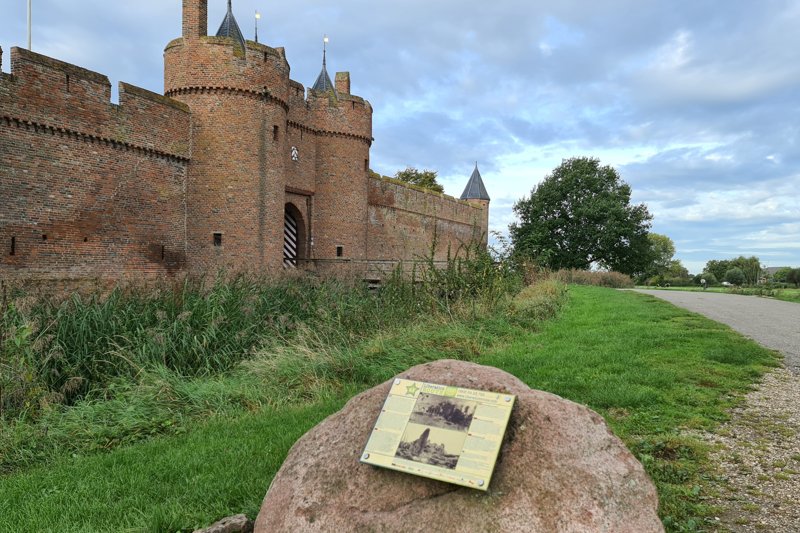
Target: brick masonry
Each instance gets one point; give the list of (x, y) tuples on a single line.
[(199, 180)]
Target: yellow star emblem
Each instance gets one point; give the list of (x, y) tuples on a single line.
[(412, 389)]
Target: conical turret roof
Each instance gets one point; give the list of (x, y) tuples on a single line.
[(475, 189), (230, 28), (324, 83)]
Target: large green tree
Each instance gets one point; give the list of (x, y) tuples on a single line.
[(581, 215), (750, 266), (421, 178), (718, 267), (781, 274)]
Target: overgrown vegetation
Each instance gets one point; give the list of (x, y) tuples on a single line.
[(92, 373), (613, 280)]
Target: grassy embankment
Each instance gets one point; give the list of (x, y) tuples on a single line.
[(649, 368)]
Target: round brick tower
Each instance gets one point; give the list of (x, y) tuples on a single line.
[(237, 91), (343, 123)]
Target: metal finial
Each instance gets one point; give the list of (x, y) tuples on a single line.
[(258, 16), (30, 16), (324, 49)]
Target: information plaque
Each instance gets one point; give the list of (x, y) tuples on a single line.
[(440, 432)]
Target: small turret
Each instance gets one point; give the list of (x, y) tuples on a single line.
[(475, 193), (324, 83), (230, 28), (475, 190)]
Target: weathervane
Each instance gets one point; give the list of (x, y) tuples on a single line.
[(258, 16)]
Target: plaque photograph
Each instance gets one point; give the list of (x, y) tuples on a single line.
[(446, 433)]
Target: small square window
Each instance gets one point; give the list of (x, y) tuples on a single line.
[(218, 239), (339, 251)]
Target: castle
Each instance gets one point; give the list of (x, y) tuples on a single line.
[(235, 167)]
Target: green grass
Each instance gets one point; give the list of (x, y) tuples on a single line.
[(170, 484), (649, 368)]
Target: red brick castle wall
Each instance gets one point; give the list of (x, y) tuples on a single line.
[(88, 188)]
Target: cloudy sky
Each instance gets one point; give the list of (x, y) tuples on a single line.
[(695, 102)]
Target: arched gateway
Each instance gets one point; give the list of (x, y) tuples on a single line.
[(294, 237)]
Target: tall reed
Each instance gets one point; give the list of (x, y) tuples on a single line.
[(61, 352)]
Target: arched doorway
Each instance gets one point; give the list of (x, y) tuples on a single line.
[(294, 237)]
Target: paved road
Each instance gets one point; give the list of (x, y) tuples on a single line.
[(772, 323)]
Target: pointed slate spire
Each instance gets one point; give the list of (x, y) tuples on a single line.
[(475, 189), (230, 28), (324, 83)]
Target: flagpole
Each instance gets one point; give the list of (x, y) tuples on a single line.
[(29, 24)]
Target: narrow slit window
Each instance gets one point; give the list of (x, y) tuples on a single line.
[(44, 237), (67, 82), (13, 246), (366, 164), (218, 239), (275, 133), (339, 251), (163, 252)]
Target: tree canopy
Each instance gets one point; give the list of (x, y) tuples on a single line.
[(781, 274), (580, 216), (659, 262), (750, 267), (421, 178)]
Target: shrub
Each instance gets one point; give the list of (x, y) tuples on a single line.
[(614, 280), (540, 301), (793, 276), (735, 276)]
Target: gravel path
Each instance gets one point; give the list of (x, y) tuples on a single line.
[(758, 450), (772, 323)]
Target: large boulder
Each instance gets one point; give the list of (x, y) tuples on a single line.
[(560, 470)]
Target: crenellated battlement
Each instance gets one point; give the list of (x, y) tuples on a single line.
[(56, 96), (342, 114), (213, 62)]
